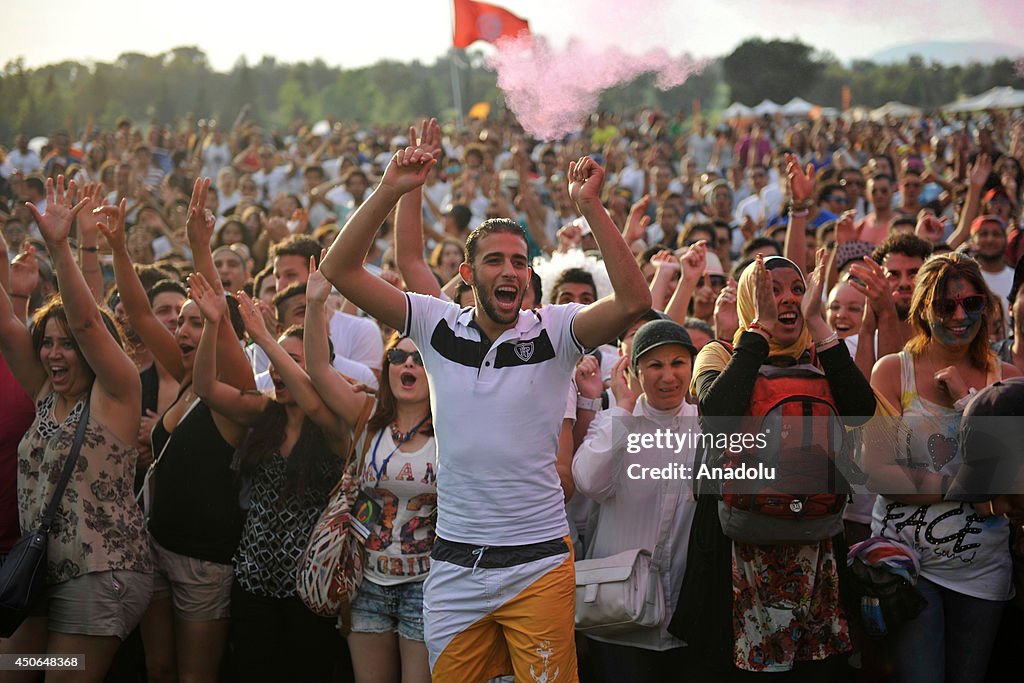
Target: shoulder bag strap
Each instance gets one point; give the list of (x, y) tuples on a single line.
[(69, 467), (364, 417), (143, 495)]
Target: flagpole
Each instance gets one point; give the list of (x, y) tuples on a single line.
[(456, 85)]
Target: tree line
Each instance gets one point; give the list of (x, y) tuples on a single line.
[(181, 83)]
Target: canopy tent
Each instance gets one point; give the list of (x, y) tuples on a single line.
[(797, 107), (1003, 97), (893, 108), (767, 107), (737, 110)]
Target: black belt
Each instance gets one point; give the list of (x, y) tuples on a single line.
[(495, 556)]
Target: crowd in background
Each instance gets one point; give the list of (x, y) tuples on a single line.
[(249, 403)]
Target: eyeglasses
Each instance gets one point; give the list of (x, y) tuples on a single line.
[(972, 305), (717, 281), (853, 181), (836, 198), (399, 356)]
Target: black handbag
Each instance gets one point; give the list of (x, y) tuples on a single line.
[(23, 573)]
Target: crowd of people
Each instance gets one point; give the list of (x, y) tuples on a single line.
[(228, 308)]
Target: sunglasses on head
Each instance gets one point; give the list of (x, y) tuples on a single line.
[(399, 356), (971, 304)]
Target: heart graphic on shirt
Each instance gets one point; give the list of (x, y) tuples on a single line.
[(941, 450)]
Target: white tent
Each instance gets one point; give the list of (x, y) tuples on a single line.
[(737, 110), (997, 98), (767, 107), (893, 108), (797, 107)]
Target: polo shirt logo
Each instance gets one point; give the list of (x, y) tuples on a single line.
[(524, 351)]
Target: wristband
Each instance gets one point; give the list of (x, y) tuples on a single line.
[(961, 403), (758, 326), (803, 213), (91, 250), (826, 341), (592, 404)]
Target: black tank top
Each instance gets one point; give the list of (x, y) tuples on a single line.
[(195, 508)]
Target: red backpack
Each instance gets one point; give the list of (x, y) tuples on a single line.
[(803, 502)]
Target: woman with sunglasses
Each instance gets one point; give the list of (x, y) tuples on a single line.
[(965, 572), (399, 472)]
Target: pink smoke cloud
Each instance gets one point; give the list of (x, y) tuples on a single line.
[(552, 91)]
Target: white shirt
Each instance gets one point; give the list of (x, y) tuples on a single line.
[(631, 510), (498, 411), (357, 339)]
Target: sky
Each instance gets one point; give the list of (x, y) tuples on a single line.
[(352, 33)]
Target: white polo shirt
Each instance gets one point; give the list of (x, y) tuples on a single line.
[(497, 410)]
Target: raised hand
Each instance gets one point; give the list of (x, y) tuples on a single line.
[(868, 278), (569, 237), (318, 288), (811, 304), (586, 178), (765, 311), (253, 319), (88, 220), (429, 137), (801, 184), (24, 272), (979, 171), (209, 297), (588, 377), (694, 262), (666, 261), (200, 221), (624, 396), (727, 320), (55, 224), (930, 228), (408, 169), (110, 222), (638, 220)]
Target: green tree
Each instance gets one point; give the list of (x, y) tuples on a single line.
[(777, 69)]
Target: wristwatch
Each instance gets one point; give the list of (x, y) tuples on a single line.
[(584, 403)]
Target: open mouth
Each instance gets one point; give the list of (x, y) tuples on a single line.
[(506, 295), (186, 349), (279, 386), (407, 379), (788, 318), (843, 327), (58, 373)]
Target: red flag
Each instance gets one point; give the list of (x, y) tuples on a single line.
[(480, 21)]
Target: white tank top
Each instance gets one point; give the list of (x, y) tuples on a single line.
[(959, 549)]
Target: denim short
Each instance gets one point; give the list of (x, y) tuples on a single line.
[(386, 609)]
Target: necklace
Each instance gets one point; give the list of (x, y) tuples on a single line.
[(399, 436)]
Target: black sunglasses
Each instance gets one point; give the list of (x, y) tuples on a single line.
[(399, 356), (971, 304)]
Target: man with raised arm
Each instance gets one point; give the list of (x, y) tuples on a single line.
[(500, 597)]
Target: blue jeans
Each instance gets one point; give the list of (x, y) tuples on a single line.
[(386, 609), (950, 641)]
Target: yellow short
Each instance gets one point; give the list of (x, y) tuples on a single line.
[(485, 621)]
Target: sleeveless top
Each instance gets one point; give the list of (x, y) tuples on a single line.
[(278, 526), (959, 549), (398, 549), (195, 509), (99, 526)]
